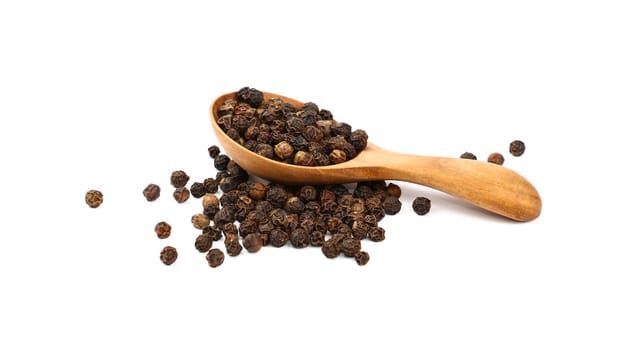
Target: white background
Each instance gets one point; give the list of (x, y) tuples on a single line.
[(114, 96)]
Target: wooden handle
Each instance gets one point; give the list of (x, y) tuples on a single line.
[(489, 186)]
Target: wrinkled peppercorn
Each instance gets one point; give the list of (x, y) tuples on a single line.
[(391, 205), (362, 258), (203, 243), (278, 237), (200, 221), (181, 194), (215, 257), (421, 205), (210, 199), (496, 158), (168, 255), (251, 96), (213, 232), (93, 198), (331, 249), (283, 150), (221, 162), (517, 148), (232, 245), (152, 192), (394, 190), (214, 151), (468, 155), (299, 238), (350, 246), (376, 234), (197, 189), (163, 230), (252, 243), (211, 185), (179, 178)]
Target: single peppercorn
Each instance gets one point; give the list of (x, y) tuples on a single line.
[(211, 185), (252, 243), (278, 237), (391, 205), (197, 189), (303, 158), (362, 258), (210, 199), (179, 178), (163, 230), (213, 232), (331, 249), (200, 221), (337, 156), (221, 162), (181, 194), (94, 198), (517, 148), (232, 245), (213, 151), (394, 190), (203, 243), (283, 150), (299, 238), (152, 192), (377, 234), (421, 205), (257, 190), (169, 255), (468, 155), (251, 96), (215, 257), (496, 158), (350, 246)]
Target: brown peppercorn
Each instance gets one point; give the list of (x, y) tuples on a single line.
[(163, 230), (152, 192), (197, 189), (251, 96), (283, 150), (169, 255), (210, 199), (317, 238), (215, 257), (517, 148), (276, 195), (181, 194), (303, 158), (337, 156), (257, 191), (331, 249), (93, 198), (468, 155), (232, 245), (391, 205), (221, 162), (211, 185), (299, 238), (350, 246), (362, 258), (393, 190), (211, 211), (213, 151), (359, 139), (496, 158), (294, 205), (203, 243), (200, 221), (252, 243), (179, 178), (278, 237), (213, 232), (421, 205), (377, 234)]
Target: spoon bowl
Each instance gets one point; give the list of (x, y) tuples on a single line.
[(486, 185)]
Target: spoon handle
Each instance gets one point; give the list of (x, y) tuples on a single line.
[(486, 185)]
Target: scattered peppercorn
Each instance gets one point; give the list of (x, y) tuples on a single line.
[(215, 257), (252, 242), (151, 192), (362, 258), (211, 185), (94, 198), (181, 194), (203, 242), (496, 158), (213, 151), (517, 148), (232, 246), (163, 230), (421, 205), (391, 205), (197, 189), (468, 155), (221, 162), (210, 199), (200, 221), (168, 255), (179, 178)]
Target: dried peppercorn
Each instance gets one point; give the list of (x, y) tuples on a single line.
[(251, 96), (359, 139), (213, 232), (210, 199), (468, 155), (252, 243), (94, 198), (331, 248), (197, 189), (232, 246), (203, 243), (294, 205), (278, 237), (152, 192), (211, 211), (181, 194), (169, 255), (496, 158), (215, 257), (350, 246), (276, 195), (179, 178), (257, 190), (391, 205), (303, 158), (377, 234), (337, 156), (421, 205), (317, 238), (283, 150), (299, 238), (211, 185), (517, 148), (200, 221), (214, 151), (163, 230), (221, 162), (362, 258), (394, 190)]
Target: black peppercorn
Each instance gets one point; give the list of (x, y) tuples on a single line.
[(214, 151), (394, 190), (221, 162), (517, 148), (391, 205), (232, 245), (252, 243), (303, 158), (179, 178), (278, 237), (210, 199), (331, 248), (200, 221), (421, 205), (197, 189), (215, 257), (213, 232), (211, 185), (317, 238), (168, 255), (163, 230), (376, 234), (362, 258), (468, 155), (152, 192), (251, 96), (203, 243), (299, 238), (283, 150), (350, 246), (181, 194), (93, 198)]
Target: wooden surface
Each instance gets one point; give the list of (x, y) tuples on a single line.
[(488, 186)]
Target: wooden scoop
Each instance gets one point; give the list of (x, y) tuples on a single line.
[(486, 185)]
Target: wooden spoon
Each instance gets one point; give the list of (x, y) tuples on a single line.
[(486, 185)]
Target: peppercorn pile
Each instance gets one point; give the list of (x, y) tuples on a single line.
[(275, 129)]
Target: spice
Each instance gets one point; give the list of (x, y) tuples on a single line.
[(232, 245), (421, 205), (252, 242), (278, 237), (257, 190), (391, 205), (200, 221), (213, 232), (210, 199), (496, 158), (197, 189), (168, 255), (93, 198), (213, 151), (299, 238), (203, 243), (211, 185), (221, 162), (215, 257), (151, 192), (350, 246), (179, 178), (517, 148), (394, 190), (283, 150), (376, 234), (362, 258), (163, 230), (181, 194), (251, 96), (468, 155)]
